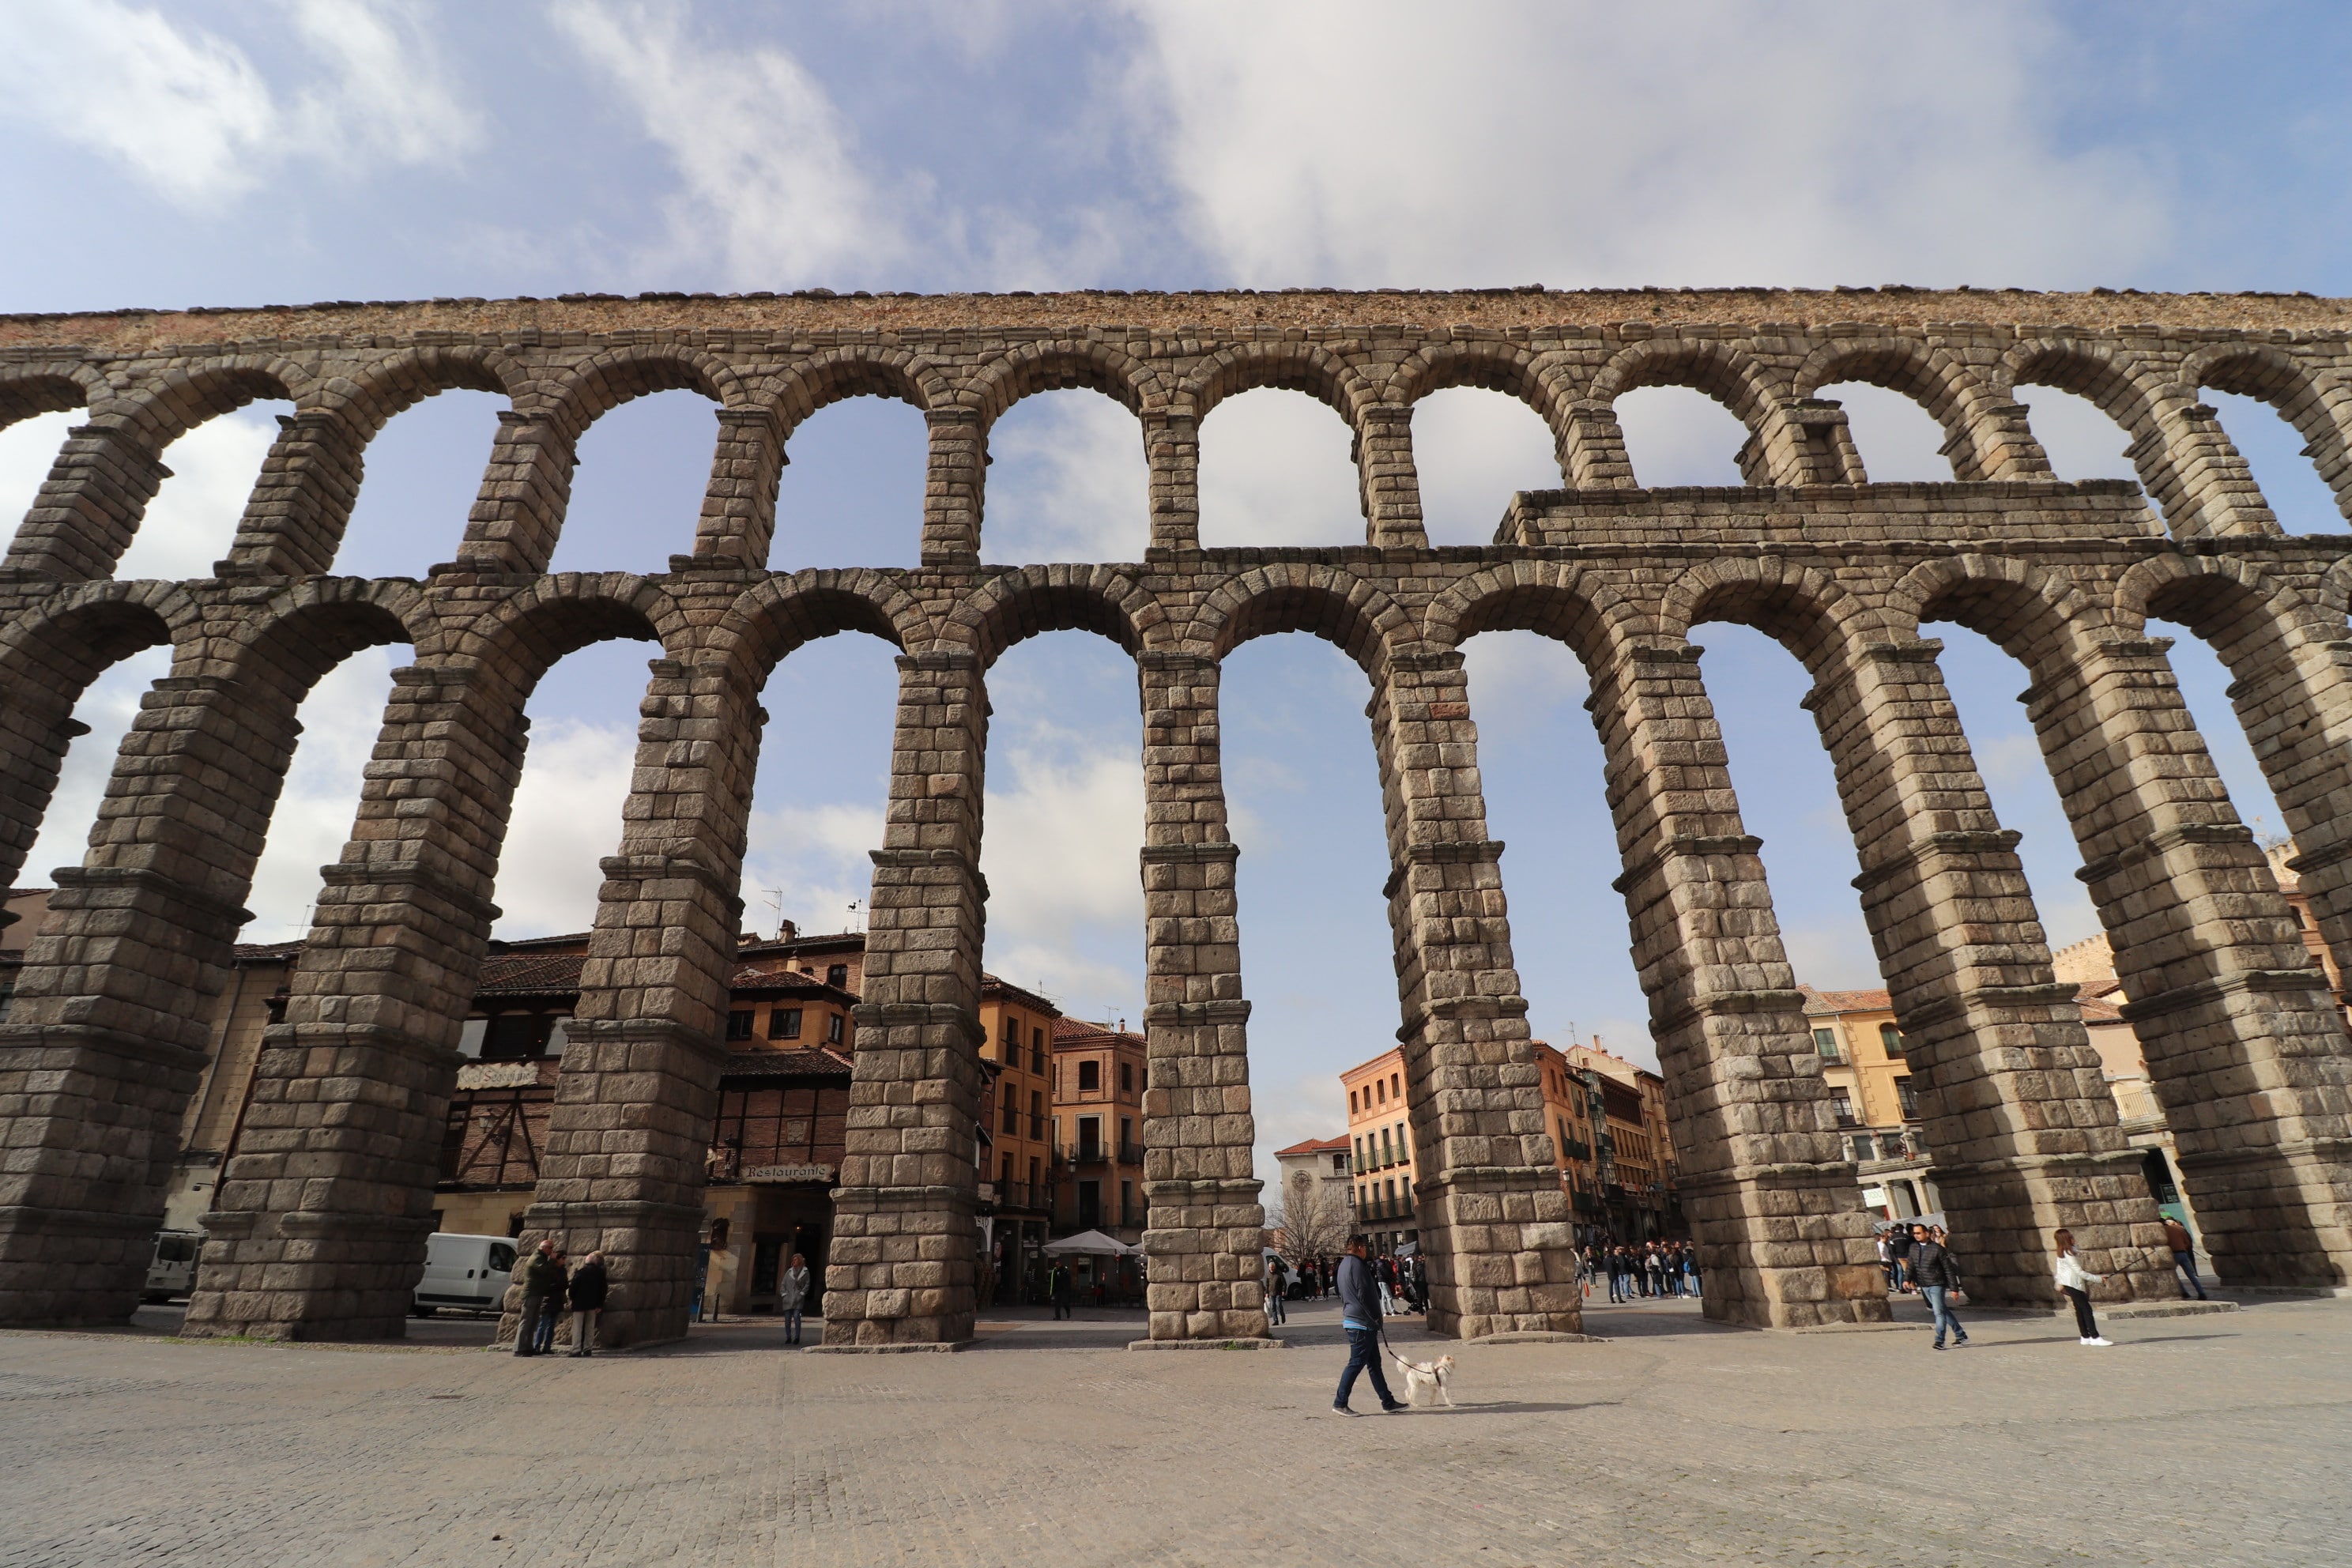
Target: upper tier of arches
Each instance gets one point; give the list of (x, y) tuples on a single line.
[(1968, 382)]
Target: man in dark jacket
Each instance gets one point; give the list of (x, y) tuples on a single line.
[(542, 1294), (1359, 1314), (1938, 1274), (1901, 1243), (588, 1288)]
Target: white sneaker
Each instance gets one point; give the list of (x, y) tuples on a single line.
[(2098, 1341)]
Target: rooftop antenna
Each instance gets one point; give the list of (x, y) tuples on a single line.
[(855, 904), (776, 899)]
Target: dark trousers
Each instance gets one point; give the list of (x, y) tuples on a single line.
[(534, 1310), (1061, 1306), (1274, 1307), (1364, 1355), (2186, 1263), (791, 1325), (2082, 1319)]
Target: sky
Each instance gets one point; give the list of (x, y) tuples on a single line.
[(280, 153)]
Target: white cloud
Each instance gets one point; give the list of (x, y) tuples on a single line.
[(340, 721), (1276, 469), (816, 861), (567, 818), (193, 520), (1059, 852), (1068, 480), (1474, 449), (109, 706), (28, 448), (1391, 144), (763, 156), (189, 114)]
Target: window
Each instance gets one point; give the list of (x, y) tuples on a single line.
[(1386, 1157), (511, 1036), (738, 1025), (1842, 1103), (1825, 1042), (1360, 1154), (1004, 1181), (784, 1024), (1011, 1111), (1892, 1038), (1127, 1079), (1396, 1086), (1351, 1102), (1036, 1050), (837, 975), (1381, 1086), (1089, 1205), (1392, 1196), (1034, 1195), (1404, 1150), (832, 1030), (1037, 1116), (1089, 1078), (1009, 1032), (1126, 1135), (1863, 1147), (1090, 1137), (1126, 1203), (1909, 1096)]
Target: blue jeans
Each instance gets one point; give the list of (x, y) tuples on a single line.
[(1943, 1310), (793, 1324), (1364, 1355), (1276, 1308), (2186, 1263), (548, 1310)]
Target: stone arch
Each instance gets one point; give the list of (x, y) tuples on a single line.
[(1947, 387), (1727, 373), (2093, 371), (1353, 615), (1808, 611), (1533, 378), (857, 370), (327, 619), (1061, 364), (2316, 402), (1015, 606), (1559, 600), (161, 411), (2036, 618), (778, 615), (1303, 367), (369, 396), (2218, 592), (594, 387), (28, 391), (563, 614)]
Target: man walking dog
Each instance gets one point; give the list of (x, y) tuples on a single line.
[(1360, 1313)]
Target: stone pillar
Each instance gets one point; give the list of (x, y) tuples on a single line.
[(1773, 1203), (525, 491), (294, 521), (2246, 1047), (322, 1209), (739, 508), (106, 1039), (1810, 443), (1206, 1227), (1386, 480), (622, 1169), (904, 1262), (90, 506), (1591, 446), (2198, 477), (954, 487), (1994, 442), (1495, 1222), (1172, 444), (2021, 1126)]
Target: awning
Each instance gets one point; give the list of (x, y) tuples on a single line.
[(1093, 1243)]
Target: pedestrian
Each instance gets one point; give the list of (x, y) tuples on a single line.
[(1066, 1291), (1653, 1273), (2075, 1281), (1359, 1314), (587, 1292), (543, 1295), (1618, 1272), (1886, 1260), (2184, 1256), (1938, 1274), (1420, 1272), (792, 1295), (1690, 1267), (1276, 1273), (554, 1312), (1901, 1243)]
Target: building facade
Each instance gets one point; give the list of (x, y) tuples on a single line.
[(1381, 1149), (1099, 1078), (1634, 1162), (1319, 1198), (1017, 1122), (1879, 1110)]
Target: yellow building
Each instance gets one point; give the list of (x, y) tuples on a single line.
[(1380, 1150), (1574, 1117), (1869, 1084), (1633, 1153), (1017, 1119), (1097, 1103)]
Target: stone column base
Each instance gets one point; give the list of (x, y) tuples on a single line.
[(307, 1276), (63, 1268), (649, 1252), (1784, 1246), (1203, 1258), (900, 1270)]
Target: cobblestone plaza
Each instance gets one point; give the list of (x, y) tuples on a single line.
[(2210, 1439)]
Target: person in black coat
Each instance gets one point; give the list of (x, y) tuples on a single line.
[(588, 1289)]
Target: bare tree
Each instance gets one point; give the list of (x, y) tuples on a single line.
[(1317, 1219)]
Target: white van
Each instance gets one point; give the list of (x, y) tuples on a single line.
[(173, 1270), (467, 1273)]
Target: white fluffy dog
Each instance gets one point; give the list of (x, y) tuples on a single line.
[(1425, 1374)]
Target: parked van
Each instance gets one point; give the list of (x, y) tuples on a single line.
[(467, 1273), (173, 1270)]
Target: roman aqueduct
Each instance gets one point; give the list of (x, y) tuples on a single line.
[(321, 1213)]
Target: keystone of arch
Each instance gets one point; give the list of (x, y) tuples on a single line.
[(2032, 615), (777, 615), (1807, 611), (1345, 610), (1013, 606), (1094, 364), (1556, 599)]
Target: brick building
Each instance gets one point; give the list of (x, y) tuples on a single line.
[(1018, 1171), (1633, 1153), (1098, 1128), (1381, 1150)]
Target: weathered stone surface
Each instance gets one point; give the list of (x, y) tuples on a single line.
[(322, 1210)]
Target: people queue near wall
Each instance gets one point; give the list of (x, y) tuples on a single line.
[(1640, 1270), (549, 1282)]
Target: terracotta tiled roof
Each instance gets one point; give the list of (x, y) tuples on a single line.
[(1822, 1004), (2096, 1011), (1078, 1031), (1020, 995), (1316, 1146), (785, 1064), (267, 952), (787, 983)]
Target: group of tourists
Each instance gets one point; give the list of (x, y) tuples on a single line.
[(549, 1282), (1402, 1283), (1650, 1269), (1918, 1259)]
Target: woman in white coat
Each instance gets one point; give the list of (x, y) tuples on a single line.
[(2075, 1281)]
